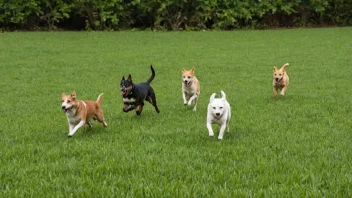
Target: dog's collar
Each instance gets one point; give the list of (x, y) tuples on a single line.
[(131, 92)]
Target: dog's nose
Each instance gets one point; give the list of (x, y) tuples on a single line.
[(63, 107), (185, 81), (217, 114)]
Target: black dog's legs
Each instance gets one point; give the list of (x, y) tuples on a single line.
[(152, 101), (127, 108), (139, 108)]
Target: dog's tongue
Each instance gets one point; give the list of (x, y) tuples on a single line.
[(123, 92), (186, 84)]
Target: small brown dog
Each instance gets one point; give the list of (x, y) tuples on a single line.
[(190, 87), (80, 112), (280, 80)]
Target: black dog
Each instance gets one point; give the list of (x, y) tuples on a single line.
[(133, 95)]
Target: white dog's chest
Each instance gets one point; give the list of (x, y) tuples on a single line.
[(219, 121)]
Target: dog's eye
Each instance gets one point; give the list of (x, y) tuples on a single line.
[(214, 108), (62, 100), (68, 101), (188, 77), (279, 74), (183, 76), (220, 107)]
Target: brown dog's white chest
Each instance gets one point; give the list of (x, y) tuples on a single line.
[(74, 120), (189, 90)]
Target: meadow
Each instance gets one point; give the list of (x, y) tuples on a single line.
[(296, 146)]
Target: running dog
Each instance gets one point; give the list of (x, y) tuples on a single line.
[(133, 95), (190, 87), (219, 112), (80, 112), (280, 80)]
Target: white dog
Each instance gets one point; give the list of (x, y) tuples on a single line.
[(219, 112)]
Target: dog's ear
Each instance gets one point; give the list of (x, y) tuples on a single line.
[(223, 95), (63, 95), (284, 67), (275, 68), (73, 94), (192, 70), (183, 69), (123, 78), (212, 97), (129, 79)]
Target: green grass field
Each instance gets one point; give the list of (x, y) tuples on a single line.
[(296, 146)]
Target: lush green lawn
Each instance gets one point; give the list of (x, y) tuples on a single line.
[(298, 146)]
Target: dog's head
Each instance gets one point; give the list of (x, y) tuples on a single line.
[(187, 76), (279, 73), (69, 102), (217, 106), (126, 85)]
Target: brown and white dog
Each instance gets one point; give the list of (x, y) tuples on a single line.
[(80, 112), (190, 87), (281, 80)]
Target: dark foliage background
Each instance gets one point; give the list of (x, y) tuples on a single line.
[(171, 14)]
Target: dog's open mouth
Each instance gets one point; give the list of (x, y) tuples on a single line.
[(277, 81), (66, 110), (124, 92), (217, 116), (187, 83)]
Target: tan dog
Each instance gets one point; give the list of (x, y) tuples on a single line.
[(281, 80), (190, 87), (80, 112)]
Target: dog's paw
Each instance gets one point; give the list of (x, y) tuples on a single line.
[(220, 138), (185, 102), (189, 103), (211, 134), (69, 135), (125, 110)]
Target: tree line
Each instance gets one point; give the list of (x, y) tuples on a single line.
[(109, 15)]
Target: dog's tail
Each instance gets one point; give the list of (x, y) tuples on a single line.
[(100, 97), (153, 75), (223, 95)]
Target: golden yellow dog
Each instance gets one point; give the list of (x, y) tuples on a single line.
[(281, 80)]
